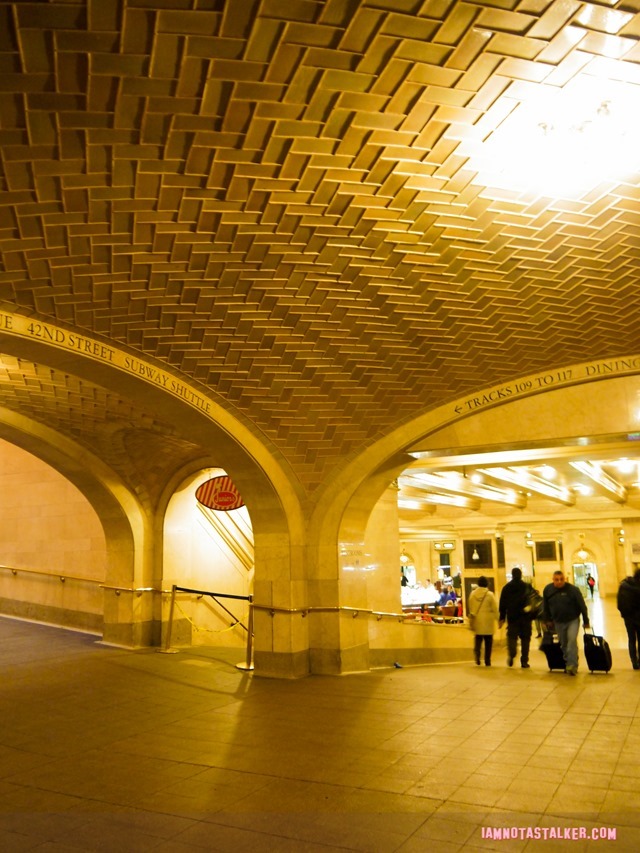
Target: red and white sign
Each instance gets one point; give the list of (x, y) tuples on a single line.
[(219, 493)]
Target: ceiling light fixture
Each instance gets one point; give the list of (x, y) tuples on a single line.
[(562, 142), (582, 489), (582, 552)]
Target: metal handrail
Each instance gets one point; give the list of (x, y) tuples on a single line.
[(62, 576), (138, 590), (356, 611)]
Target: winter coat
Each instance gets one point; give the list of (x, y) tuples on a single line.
[(629, 600), (564, 604), (483, 605), (513, 600)]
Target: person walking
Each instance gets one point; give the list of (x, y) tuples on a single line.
[(483, 615), (591, 583), (629, 607), (563, 606), (513, 601)]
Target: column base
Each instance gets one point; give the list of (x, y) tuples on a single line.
[(340, 661), (281, 664)]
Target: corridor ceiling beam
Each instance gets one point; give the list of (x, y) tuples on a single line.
[(453, 483), (522, 478), (602, 479)]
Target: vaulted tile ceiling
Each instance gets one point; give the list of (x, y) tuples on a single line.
[(279, 198)]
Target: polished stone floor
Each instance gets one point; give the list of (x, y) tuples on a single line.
[(104, 749)]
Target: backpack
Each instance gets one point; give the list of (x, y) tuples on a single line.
[(628, 599), (534, 608)]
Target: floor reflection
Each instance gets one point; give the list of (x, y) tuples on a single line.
[(606, 620)]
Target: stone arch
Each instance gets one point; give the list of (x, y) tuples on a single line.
[(263, 475), (116, 507), (123, 522), (270, 489), (462, 422), (536, 407), (207, 551)]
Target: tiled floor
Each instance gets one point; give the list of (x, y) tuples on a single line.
[(103, 749)]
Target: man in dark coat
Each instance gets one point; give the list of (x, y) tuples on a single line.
[(629, 607), (513, 601), (563, 607)]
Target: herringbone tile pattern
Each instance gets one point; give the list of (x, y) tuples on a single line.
[(142, 450), (270, 197)]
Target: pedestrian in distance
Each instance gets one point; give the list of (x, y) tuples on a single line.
[(591, 583), (514, 600), (564, 604), (629, 607), (483, 616)]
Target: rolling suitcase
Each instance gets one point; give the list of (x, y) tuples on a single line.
[(553, 651), (597, 653)]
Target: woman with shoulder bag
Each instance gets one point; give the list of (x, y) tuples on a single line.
[(483, 617)]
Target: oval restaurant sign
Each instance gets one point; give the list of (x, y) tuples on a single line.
[(219, 493)]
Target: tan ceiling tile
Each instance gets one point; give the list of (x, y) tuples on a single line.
[(291, 222), (554, 19)]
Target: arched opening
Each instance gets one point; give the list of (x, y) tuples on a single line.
[(587, 429), (271, 489), (53, 550), (212, 550)]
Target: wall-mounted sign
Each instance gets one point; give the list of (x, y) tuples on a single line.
[(219, 493)]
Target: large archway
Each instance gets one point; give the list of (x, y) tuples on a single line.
[(210, 550), (269, 488), (127, 541), (587, 410), (53, 552)]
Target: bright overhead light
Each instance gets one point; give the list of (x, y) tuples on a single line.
[(582, 489), (561, 142), (403, 504), (548, 471), (625, 466)]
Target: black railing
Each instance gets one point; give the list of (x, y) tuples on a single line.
[(248, 664)]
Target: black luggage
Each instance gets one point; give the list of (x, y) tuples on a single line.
[(597, 653), (552, 649)]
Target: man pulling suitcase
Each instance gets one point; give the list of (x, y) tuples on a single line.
[(563, 606)]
